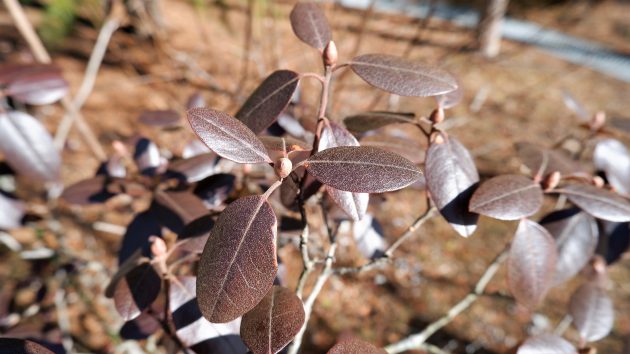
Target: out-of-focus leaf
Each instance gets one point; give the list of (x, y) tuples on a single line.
[(227, 136), (531, 263), (534, 157), (451, 99), (238, 264), (21, 346), (365, 122), (507, 197), (574, 105), (355, 346), (39, 88), (612, 157), (353, 204), (310, 25), (195, 234), (215, 190), (12, 72), (141, 327), (11, 212), (408, 148), (136, 238), (269, 100), (89, 191), (402, 77), (280, 144), (28, 147), (147, 156), (175, 209), (600, 203), (616, 237), (451, 179), (195, 101), (136, 291), (193, 169), (292, 126), (546, 344), (273, 323), (362, 169), (160, 118), (194, 148), (592, 312), (368, 236), (576, 237)]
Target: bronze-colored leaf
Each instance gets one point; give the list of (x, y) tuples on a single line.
[(89, 191), (355, 346), (238, 263), (39, 88), (362, 169), (451, 179), (531, 263), (21, 346), (402, 77), (175, 209), (310, 25), (592, 312), (365, 122), (546, 344), (576, 236), (507, 197), (160, 118), (598, 202), (273, 323), (28, 147), (136, 291), (269, 100), (227, 136), (193, 169), (535, 157)]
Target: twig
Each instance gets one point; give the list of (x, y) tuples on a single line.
[(416, 340), (41, 55), (89, 78)]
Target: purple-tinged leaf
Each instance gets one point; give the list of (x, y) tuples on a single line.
[(136, 291), (402, 77), (273, 323), (227, 136), (11, 72), (28, 147), (451, 178), (193, 169), (592, 311), (451, 99), (160, 118), (404, 146), (546, 344), (353, 204), (238, 263), (612, 157), (147, 156), (507, 197), (39, 88), (576, 238), (280, 144), (88, 191), (141, 327), (365, 122), (531, 263), (362, 169), (11, 212), (21, 346), (534, 157), (175, 209), (269, 100), (355, 346), (598, 202), (310, 25), (195, 101)]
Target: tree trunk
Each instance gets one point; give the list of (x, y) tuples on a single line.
[(489, 28)]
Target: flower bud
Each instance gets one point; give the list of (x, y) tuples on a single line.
[(283, 167), (552, 181), (437, 116), (330, 54)]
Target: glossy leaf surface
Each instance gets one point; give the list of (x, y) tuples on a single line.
[(576, 238), (238, 263), (268, 101), (362, 169), (402, 77), (273, 323), (451, 179), (310, 25), (28, 147), (38, 88), (507, 197), (612, 157), (353, 204), (193, 169), (531, 263), (600, 203), (592, 311), (365, 122), (546, 344), (227, 136), (21, 346), (355, 346), (147, 156)]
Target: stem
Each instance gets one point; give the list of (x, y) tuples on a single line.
[(417, 340)]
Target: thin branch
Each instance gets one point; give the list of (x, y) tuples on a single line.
[(415, 341)]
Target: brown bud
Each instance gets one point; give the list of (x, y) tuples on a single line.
[(330, 54), (551, 181), (283, 167), (158, 246), (437, 116)]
